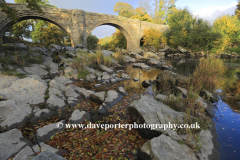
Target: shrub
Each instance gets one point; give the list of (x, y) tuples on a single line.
[(153, 37), (107, 61), (120, 58), (208, 74)]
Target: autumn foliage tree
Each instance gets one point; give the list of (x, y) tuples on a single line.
[(116, 40), (153, 37), (229, 26)]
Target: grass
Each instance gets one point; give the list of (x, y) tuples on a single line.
[(77, 63), (194, 112), (107, 61), (96, 60), (120, 58), (208, 74)]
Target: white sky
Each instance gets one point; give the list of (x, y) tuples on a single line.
[(206, 9)]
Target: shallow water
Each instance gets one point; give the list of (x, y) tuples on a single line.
[(227, 116)]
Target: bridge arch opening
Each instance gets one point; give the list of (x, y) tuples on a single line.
[(122, 33), (141, 41), (8, 27)]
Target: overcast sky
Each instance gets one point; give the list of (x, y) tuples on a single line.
[(206, 9)]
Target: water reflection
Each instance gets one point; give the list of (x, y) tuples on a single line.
[(149, 74)]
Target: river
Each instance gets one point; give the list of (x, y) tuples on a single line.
[(227, 116)]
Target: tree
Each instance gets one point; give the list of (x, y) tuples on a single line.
[(180, 22), (237, 11), (92, 42), (124, 9), (12, 13), (142, 15), (229, 26), (160, 10), (153, 37)]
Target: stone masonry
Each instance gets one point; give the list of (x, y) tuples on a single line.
[(79, 24)]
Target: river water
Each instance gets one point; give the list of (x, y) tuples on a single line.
[(227, 116)]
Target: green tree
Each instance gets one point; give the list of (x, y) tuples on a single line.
[(180, 22), (237, 11), (92, 42), (124, 9)]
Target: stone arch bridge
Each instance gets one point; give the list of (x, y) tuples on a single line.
[(79, 24)]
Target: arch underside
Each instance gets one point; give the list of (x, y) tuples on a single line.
[(118, 26), (8, 22)]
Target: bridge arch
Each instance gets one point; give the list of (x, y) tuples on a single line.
[(114, 23), (7, 23)]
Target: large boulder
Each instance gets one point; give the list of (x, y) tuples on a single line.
[(164, 147), (11, 142), (26, 90), (149, 111), (13, 115), (98, 97), (209, 149), (168, 79)]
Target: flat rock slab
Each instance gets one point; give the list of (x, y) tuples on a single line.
[(60, 82), (91, 76), (149, 111), (93, 71), (46, 132), (6, 81), (78, 117), (56, 92), (47, 155), (103, 108), (85, 93), (141, 65), (105, 76), (106, 69), (135, 79), (55, 103), (125, 76), (35, 70), (27, 152), (112, 97), (129, 59), (163, 147), (13, 115), (11, 142), (42, 114), (26, 90)]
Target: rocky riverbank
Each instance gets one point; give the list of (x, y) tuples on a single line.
[(38, 83)]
